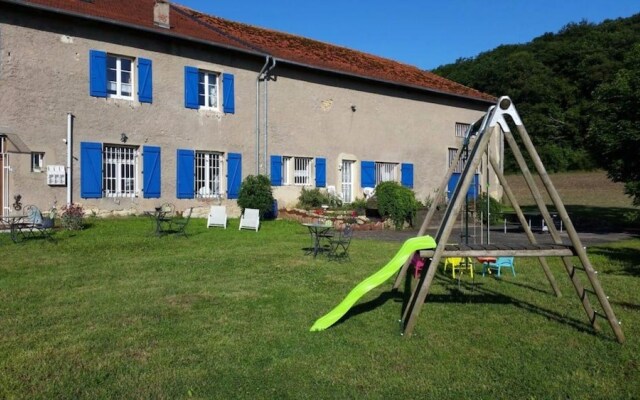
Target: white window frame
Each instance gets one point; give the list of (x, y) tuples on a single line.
[(208, 90), (208, 174), (461, 129), (297, 171), (461, 162), (386, 171), (37, 161), (119, 81), (121, 181)]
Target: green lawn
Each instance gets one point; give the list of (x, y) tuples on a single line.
[(114, 312)]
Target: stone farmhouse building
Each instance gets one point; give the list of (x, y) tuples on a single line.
[(124, 105)]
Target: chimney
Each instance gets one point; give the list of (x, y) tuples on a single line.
[(161, 14)]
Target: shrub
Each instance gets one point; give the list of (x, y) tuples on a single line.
[(396, 202), (72, 217), (495, 209), (255, 192), (358, 204), (312, 198)]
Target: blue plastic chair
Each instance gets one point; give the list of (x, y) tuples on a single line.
[(501, 262)]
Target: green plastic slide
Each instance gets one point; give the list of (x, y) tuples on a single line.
[(408, 248)]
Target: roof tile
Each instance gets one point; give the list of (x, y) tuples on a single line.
[(283, 46)]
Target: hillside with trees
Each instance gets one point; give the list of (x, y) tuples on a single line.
[(578, 92)]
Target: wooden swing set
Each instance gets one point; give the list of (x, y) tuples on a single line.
[(479, 139)]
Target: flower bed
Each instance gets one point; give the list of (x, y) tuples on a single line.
[(337, 218)]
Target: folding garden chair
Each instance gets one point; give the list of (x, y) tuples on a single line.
[(179, 224), (339, 244)]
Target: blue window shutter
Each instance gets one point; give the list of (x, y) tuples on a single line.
[(191, 87), (228, 99), (90, 170), (234, 175), (145, 81), (276, 170), (97, 73), (406, 170), (151, 172), (368, 174), (321, 172), (184, 173)]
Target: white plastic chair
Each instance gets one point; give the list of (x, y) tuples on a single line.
[(250, 219), (217, 217)]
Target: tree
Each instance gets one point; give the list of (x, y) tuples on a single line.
[(552, 80), (615, 125)]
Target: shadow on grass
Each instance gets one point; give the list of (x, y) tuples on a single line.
[(628, 306), (529, 287), (479, 293), (370, 305), (629, 257), (463, 292)]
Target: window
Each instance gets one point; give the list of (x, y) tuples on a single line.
[(113, 76), (120, 171), (461, 163), (386, 172), (208, 174), (461, 129), (208, 90), (119, 77), (297, 171), (37, 162)]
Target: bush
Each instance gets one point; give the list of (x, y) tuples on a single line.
[(396, 202), (358, 204), (312, 198), (495, 209), (255, 192), (72, 217)]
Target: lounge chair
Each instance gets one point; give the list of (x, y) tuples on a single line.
[(250, 219), (217, 217)]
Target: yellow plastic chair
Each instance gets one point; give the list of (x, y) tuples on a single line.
[(458, 264)]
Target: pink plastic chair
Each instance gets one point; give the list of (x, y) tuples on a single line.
[(418, 264)]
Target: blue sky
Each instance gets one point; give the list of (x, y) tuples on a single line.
[(424, 33)]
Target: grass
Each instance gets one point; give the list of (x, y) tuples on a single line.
[(592, 200), (115, 312)]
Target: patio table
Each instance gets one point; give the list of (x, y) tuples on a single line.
[(161, 219), (317, 231)]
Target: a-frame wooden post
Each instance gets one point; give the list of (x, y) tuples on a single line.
[(418, 296), (494, 122)]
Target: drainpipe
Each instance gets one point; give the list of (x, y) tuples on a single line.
[(69, 155), (264, 67), (266, 113)]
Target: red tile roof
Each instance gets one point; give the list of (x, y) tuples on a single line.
[(284, 47)]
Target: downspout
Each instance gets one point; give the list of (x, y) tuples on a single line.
[(69, 157), (264, 67), (266, 113)]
